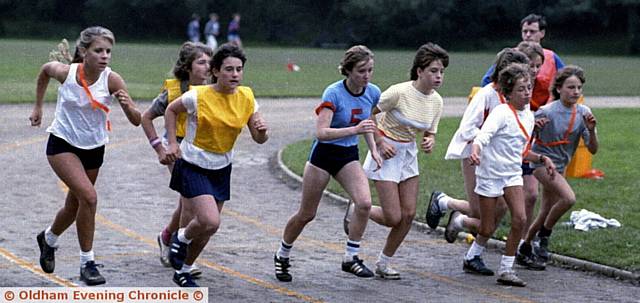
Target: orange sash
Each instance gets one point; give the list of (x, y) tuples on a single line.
[(564, 140), (94, 103), (524, 132)]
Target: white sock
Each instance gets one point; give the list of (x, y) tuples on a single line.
[(443, 201), (506, 264), (520, 244), (181, 236), (86, 256), (284, 249), (50, 237), (458, 222), (185, 268), (384, 259), (353, 248), (475, 250)]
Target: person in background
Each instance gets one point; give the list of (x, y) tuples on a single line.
[(193, 28), (212, 30), (233, 31)]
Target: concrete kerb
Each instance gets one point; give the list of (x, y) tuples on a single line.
[(292, 178)]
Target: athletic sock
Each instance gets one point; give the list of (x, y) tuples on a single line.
[(506, 264), (185, 268), (443, 201), (458, 222), (284, 249), (181, 237), (384, 259), (543, 232), (352, 249), (50, 237), (475, 250), (86, 256)]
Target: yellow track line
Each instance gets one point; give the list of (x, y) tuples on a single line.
[(34, 269)]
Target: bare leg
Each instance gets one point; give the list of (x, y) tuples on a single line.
[(514, 198), (355, 183), (408, 199)]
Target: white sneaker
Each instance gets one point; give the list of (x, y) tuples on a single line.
[(164, 252), (386, 272)]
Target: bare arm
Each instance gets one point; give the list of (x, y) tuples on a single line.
[(118, 88), (49, 70), (590, 122), (325, 132), (170, 116), (258, 128), (428, 142)]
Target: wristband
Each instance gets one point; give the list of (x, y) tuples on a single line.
[(155, 142)]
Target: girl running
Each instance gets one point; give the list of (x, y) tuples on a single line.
[(342, 116), (216, 114), (78, 135), (191, 68)]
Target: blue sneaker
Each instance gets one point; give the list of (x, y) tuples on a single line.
[(434, 213), (184, 280), (177, 253)]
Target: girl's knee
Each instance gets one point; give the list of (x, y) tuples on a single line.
[(305, 217), (486, 230), (408, 216), (363, 206)]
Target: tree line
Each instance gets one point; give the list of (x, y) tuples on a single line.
[(454, 24)]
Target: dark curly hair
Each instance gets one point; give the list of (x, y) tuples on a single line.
[(510, 75), (426, 54), (505, 57), (223, 52)]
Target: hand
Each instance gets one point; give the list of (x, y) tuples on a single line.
[(549, 166), (123, 98), (386, 150), (160, 151), (589, 121), (540, 123), (366, 126), (260, 124), (171, 154), (36, 116), (376, 157), (474, 158), (428, 142)]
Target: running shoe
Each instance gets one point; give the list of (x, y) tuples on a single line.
[(530, 261), (451, 232), (542, 249), (90, 275), (196, 273), (476, 266), (282, 269), (386, 272), (164, 252), (511, 279), (177, 253), (184, 280), (434, 213), (357, 267), (47, 254), (347, 217)]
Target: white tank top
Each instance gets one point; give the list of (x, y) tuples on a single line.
[(76, 121)]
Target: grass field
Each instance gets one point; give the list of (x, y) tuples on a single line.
[(145, 66), (615, 196)]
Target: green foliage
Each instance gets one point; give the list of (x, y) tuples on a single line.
[(145, 66), (615, 196)]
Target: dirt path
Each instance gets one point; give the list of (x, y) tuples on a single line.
[(135, 202)]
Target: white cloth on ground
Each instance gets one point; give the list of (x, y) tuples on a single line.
[(585, 220)]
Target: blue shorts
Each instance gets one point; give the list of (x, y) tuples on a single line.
[(192, 181), (332, 158), (527, 170), (90, 158)]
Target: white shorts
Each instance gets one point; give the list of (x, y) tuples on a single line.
[(402, 166), (494, 188)]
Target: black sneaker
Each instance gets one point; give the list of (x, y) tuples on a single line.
[(282, 269), (434, 213), (451, 232), (184, 280), (47, 254), (347, 217), (530, 261), (177, 253), (542, 249), (476, 266), (90, 275), (357, 267)]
